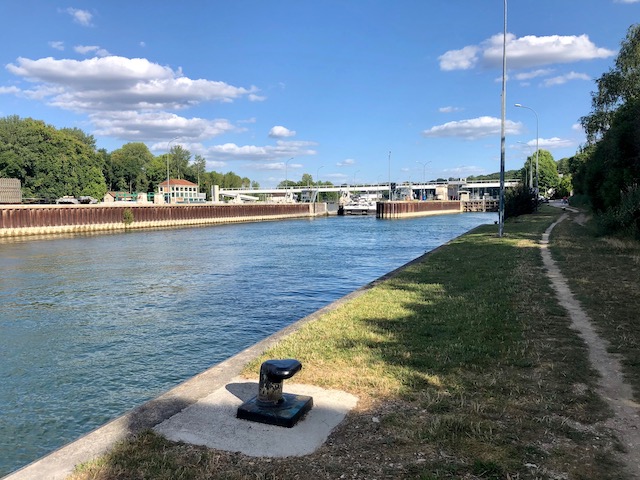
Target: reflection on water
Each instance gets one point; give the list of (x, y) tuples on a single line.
[(91, 326)]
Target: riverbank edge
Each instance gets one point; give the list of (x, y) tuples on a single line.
[(60, 463)]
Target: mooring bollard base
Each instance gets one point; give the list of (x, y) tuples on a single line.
[(286, 414)]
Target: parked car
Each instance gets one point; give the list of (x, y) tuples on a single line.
[(70, 200), (67, 200)]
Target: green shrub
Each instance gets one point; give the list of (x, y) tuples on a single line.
[(518, 201), (580, 200), (625, 218), (127, 217)]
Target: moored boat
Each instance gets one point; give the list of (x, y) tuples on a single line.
[(359, 207)]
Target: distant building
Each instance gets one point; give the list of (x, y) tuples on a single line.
[(110, 197), (180, 191)]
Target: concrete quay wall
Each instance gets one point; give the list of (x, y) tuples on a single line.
[(25, 220)]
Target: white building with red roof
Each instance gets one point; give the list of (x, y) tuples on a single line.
[(176, 190)]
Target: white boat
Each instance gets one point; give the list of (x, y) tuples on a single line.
[(359, 207)]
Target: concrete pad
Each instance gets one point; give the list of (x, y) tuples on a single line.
[(212, 422)]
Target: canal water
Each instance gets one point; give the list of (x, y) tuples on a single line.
[(91, 326)]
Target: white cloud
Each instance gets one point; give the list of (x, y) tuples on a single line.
[(561, 79), (119, 83), (256, 98), (525, 52), (449, 109), (281, 132), (9, 90), (214, 164), (58, 45), (473, 128), (626, 1), (542, 72), (231, 151), (577, 126), (545, 143), (337, 176), (86, 49), (130, 98), (346, 163), (82, 17), (269, 166), (463, 59), (248, 120), (551, 143), (464, 171), (136, 126), (110, 73), (41, 92)]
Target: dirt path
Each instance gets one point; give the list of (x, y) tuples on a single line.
[(626, 420)]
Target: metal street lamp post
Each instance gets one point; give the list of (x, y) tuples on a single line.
[(168, 179), (502, 122), (530, 164), (424, 180), (318, 180), (537, 186), (389, 175)]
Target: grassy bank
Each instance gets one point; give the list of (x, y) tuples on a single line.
[(604, 273), (465, 367)]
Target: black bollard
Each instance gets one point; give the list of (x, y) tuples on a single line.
[(271, 405), (272, 373)]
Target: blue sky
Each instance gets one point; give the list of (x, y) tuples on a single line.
[(347, 91)]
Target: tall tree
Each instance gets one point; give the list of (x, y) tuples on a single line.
[(179, 161), (129, 167), (306, 179), (88, 140), (563, 166), (548, 178), (50, 163), (231, 180), (197, 169), (577, 168), (615, 87), (156, 172), (614, 164)]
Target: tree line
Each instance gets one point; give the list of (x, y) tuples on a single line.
[(52, 163), (552, 177), (606, 171)]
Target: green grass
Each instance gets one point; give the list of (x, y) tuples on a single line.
[(467, 363), (604, 274)]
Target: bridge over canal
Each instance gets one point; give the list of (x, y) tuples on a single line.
[(449, 190)]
